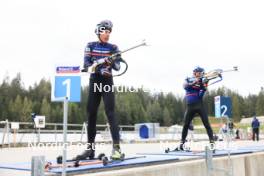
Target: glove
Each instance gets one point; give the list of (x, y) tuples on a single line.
[(205, 80), (85, 69), (108, 61), (197, 82), (105, 72), (104, 61)]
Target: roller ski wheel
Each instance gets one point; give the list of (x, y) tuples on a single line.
[(116, 156), (105, 161), (212, 146), (97, 160)]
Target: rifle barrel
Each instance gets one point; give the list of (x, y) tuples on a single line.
[(131, 48)]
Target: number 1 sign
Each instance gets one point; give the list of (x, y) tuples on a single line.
[(67, 84), (66, 87)]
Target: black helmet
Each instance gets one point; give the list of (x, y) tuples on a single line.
[(103, 25), (198, 69)]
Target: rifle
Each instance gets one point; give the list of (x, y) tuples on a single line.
[(217, 73), (113, 57), (214, 74)]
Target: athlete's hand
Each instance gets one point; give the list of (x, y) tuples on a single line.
[(85, 69), (205, 80), (108, 61), (105, 72)]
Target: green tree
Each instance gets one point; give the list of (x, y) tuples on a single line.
[(122, 109), (16, 109), (16, 87), (56, 113), (74, 113), (236, 113), (250, 105), (166, 117), (4, 99), (260, 103), (154, 112), (26, 110), (45, 109)]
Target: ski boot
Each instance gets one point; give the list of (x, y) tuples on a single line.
[(116, 153), (87, 154), (178, 148)]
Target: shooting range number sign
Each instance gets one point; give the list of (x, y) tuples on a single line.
[(67, 83), (223, 107)]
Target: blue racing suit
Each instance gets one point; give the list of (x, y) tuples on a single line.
[(195, 90), (95, 51)]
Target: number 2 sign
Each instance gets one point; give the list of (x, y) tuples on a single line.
[(223, 107), (67, 84)]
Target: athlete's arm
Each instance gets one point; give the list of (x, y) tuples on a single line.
[(116, 63), (88, 60)]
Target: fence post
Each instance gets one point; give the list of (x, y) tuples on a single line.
[(37, 165)]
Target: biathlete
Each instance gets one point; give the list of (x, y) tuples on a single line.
[(195, 89), (94, 52)]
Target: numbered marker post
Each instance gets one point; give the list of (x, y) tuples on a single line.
[(66, 88), (223, 107), (67, 83)]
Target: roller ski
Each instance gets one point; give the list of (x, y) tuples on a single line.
[(181, 147), (117, 156), (50, 165), (100, 157), (88, 154), (74, 162), (106, 161)]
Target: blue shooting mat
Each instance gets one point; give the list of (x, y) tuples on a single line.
[(201, 153), (254, 148), (150, 158), (23, 166), (131, 162)]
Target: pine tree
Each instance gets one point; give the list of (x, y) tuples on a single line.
[(26, 110), (260, 103), (166, 117), (154, 112), (16, 109), (45, 109)]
